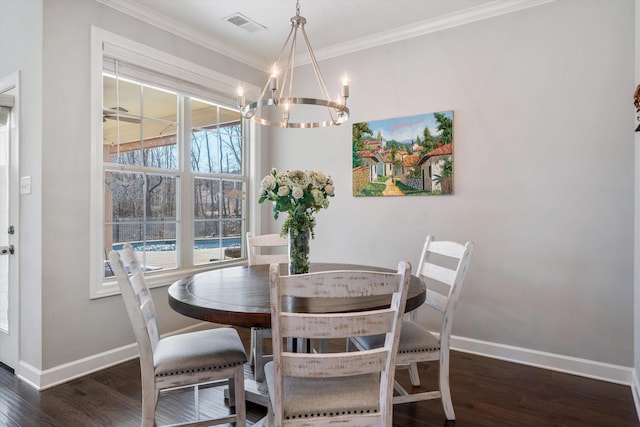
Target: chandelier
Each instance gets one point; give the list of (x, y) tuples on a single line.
[(277, 99)]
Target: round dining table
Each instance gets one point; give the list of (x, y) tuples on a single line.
[(239, 295)]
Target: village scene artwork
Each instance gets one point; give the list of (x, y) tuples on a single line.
[(404, 156)]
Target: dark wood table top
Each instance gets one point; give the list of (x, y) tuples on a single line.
[(240, 295)]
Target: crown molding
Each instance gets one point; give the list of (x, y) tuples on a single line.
[(444, 22), (150, 16)]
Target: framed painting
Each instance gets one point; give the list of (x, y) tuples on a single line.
[(406, 156)]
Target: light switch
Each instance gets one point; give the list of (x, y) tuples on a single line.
[(25, 185)]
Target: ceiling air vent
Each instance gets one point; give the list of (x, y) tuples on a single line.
[(243, 22)]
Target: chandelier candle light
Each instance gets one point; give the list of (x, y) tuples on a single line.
[(281, 98)]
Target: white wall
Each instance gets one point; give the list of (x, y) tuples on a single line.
[(543, 166)]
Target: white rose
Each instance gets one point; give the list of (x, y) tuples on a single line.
[(329, 189), (299, 177), (318, 178), (283, 191), (268, 182), (297, 192)]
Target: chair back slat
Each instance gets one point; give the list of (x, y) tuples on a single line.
[(439, 273), (266, 259), (341, 325), (137, 282), (447, 248), (328, 365), (340, 284), (256, 243), (436, 300)]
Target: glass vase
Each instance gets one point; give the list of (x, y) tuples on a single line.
[(299, 250)]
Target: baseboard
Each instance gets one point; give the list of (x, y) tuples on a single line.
[(42, 380), (555, 362), (635, 391)]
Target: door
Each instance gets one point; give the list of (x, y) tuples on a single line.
[(8, 227)]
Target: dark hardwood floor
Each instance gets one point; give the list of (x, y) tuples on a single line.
[(485, 392)]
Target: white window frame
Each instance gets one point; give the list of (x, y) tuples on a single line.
[(222, 89)]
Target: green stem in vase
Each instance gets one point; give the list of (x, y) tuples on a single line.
[(299, 250)]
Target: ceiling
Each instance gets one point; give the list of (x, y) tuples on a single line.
[(334, 27)]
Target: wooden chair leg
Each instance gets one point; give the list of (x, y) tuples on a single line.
[(445, 391), (149, 403), (413, 374), (232, 393), (196, 401), (240, 404), (258, 362), (252, 346), (270, 422)]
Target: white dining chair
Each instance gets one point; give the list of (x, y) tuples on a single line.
[(334, 388), (442, 264), (261, 250), (182, 360)]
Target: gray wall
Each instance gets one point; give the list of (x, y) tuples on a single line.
[(543, 172), (543, 166), (21, 35), (74, 326)]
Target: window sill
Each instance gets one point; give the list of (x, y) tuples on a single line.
[(165, 278)]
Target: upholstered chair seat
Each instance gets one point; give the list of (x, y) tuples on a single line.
[(413, 339), (322, 397), (199, 351)]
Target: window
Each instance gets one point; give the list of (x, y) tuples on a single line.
[(172, 165)]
